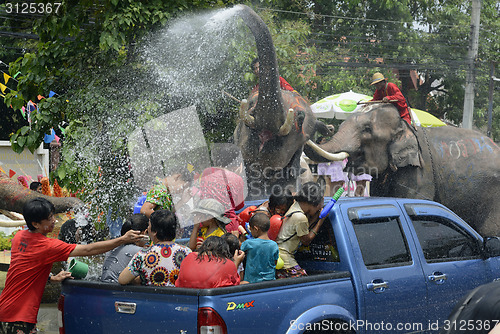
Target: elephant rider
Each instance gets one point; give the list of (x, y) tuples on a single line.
[(387, 91), (283, 83)]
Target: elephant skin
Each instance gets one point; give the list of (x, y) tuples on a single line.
[(457, 167), (274, 124), (13, 196)]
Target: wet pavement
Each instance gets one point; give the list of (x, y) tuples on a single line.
[(47, 322)]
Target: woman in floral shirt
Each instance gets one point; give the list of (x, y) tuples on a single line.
[(158, 264)]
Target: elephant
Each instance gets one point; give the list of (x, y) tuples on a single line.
[(456, 167), (273, 124), (13, 196)]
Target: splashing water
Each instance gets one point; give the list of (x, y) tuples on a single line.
[(190, 62)]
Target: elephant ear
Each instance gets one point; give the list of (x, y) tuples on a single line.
[(404, 149)]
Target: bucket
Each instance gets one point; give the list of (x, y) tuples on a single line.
[(78, 269)]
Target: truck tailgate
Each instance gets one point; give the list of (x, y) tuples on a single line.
[(91, 307), (270, 307)]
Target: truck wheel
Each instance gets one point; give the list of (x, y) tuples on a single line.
[(331, 327)]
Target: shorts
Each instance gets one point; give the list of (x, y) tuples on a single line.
[(296, 271), (18, 327)]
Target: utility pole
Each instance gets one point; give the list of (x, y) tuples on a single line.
[(490, 99), (471, 57)]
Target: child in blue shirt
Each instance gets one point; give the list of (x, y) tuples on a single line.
[(261, 252)]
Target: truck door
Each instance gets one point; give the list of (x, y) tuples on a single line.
[(451, 257), (390, 277)]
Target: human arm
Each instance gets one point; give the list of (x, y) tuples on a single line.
[(61, 276), (107, 245), (313, 232), (193, 237), (126, 277), (148, 208), (238, 257), (393, 93)]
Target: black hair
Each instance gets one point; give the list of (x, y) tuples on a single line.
[(252, 64), (34, 185), (232, 241), (260, 220), (215, 248), (285, 198), (36, 210), (311, 193), (136, 222), (67, 233), (165, 224)]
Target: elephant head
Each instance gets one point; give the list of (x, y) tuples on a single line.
[(377, 142), (13, 196), (273, 124)]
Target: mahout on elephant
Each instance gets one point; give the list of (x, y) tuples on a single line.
[(457, 167), (274, 124)]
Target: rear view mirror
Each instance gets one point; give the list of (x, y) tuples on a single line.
[(491, 246)]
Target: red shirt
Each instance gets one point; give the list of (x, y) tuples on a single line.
[(206, 274), (31, 260), (393, 93)]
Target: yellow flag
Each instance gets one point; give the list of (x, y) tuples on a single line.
[(6, 77), (3, 87)]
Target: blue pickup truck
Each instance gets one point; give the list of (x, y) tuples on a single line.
[(379, 265)]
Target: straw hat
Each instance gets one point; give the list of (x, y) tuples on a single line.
[(377, 77)]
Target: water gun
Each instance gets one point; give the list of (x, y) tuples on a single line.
[(330, 204)]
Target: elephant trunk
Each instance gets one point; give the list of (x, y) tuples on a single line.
[(268, 111), (13, 196)]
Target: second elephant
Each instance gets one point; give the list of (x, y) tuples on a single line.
[(457, 167)]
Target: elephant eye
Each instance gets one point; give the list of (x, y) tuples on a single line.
[(367, 129)]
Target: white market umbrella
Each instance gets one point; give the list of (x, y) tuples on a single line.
[(343, 105), (339, 106)]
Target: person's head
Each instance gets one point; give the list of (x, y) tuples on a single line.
[(215, 248), (163, 225), (259, 224), (176, 183), (232, 241), (36, 186), (280, 203), (210, 211), (137, 222), (378, 80), (310, 197), (39, 215), (255, 66)]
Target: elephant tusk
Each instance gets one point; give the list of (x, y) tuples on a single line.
[(15, 223), (244, 114), (287, 126), (327, 155)]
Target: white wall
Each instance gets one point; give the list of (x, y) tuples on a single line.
[(25, 163)]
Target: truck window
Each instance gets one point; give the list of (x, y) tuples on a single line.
[(382, 242), (441, 240), (322, 248)]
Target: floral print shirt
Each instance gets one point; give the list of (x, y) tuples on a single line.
[(159, 264)]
